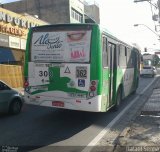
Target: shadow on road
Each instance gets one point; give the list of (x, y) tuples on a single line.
[(41, 126)]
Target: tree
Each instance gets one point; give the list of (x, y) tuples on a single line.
[(155, 60)]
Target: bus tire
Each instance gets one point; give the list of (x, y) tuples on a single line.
[(134, 91), (118, 100)]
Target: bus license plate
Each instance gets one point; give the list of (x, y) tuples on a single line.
[(58, 103)]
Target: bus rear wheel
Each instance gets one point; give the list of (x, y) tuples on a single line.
[(118, 100)]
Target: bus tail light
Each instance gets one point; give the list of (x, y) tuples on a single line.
[(93, 88), (93, 85), (26, 84)]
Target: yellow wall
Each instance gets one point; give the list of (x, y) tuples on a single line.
[(12, 75)]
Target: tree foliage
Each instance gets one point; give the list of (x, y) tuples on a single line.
[(155, 60)]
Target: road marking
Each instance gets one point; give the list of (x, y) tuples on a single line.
[(89, 147)]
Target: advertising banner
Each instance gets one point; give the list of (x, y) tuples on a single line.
[(66, 46)]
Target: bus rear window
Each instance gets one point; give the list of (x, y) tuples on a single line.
[(147, 68), (61, 46)]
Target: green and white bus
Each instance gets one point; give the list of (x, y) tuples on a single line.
[(79, 67)]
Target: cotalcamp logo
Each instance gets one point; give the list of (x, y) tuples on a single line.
[(53, 42)]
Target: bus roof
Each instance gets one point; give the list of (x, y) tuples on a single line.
[(102, 28), (60, 25)]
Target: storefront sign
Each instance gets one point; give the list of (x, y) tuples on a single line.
[(14, 42), (18, 21), (4, 40), (12, 30)]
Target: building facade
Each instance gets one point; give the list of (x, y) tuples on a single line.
[(57, 11), (53, 11), (91, 11), (13, 34)]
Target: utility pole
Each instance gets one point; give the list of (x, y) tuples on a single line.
[(158, 3), (149, 1)]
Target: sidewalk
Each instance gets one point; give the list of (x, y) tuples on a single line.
[(143, 133)]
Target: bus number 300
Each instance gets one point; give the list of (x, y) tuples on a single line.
[(45, 74)]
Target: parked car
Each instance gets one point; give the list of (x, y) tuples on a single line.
[(11, 101), (154, 70), (148, 71)]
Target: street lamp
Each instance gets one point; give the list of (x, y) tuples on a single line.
[(148, 28), (149, 1)]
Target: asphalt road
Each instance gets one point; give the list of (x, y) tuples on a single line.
[(41, 126)]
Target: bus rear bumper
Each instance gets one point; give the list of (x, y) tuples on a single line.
[(90, 105)]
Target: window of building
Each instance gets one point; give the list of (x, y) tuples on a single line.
[(72, 14), (76, 15)]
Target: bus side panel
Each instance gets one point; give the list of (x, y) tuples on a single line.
[(128, 80), (128, 77), (105, 92), (125, 80), (119, 81)]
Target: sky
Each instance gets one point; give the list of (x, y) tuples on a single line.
[(119, 16)]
